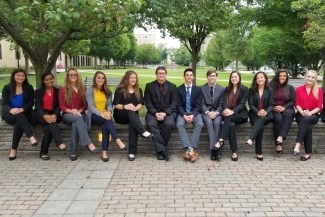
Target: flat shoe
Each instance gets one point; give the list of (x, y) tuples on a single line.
[(305, 158), (234, 158), (295, 153), (259, 158), (73, 157)]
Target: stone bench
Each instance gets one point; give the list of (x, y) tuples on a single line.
[(147, 146), (111, 81)]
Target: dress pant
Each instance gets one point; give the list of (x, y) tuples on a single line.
[(213, 127), (21, 125), (78, 130), (258, 130), (194, 138), (282, 122), (50, 130), (107, 129), (135, 127), (228, 130), (305, 133), (161, 130)]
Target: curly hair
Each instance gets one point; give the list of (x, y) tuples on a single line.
[(68, 90), (124, 83)]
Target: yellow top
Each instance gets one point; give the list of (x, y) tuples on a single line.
[(100, 100)]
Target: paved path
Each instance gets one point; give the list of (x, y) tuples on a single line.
[(278, 186)]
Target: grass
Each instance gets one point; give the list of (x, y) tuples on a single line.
[(145, 76)]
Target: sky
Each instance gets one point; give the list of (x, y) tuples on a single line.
[(168, 41)]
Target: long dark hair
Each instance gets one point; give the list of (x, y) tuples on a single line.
[(43, 77), (230, 86), (13, 82), (124, 83), (275, 83), (254, 83), (104, 88)]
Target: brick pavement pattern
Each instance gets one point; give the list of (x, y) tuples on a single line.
[(281, 185)]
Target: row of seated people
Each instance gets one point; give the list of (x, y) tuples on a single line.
[(220, 109)]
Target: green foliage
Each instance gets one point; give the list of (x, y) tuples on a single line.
[(147, 54), (182, 56), (74, 48), (41, 28), (190, 21)]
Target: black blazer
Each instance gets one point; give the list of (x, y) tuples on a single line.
[(161, 102), (240, 108), (322, 114), (267, 101), (291, 101), (39, 94), (196, 100), (28, 97)]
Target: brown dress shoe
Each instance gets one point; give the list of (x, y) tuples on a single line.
[(187, 155), (194, 156)]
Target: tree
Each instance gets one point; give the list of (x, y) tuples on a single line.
[(74, 48), (41, 28), (162, 52), (147, 54), (190, 21), (130, 55), (313, 13), (182, 56)]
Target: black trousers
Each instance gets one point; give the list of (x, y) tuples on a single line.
[(135, 127), (50, 131), (228, 130), (258, 130), (21, 125), (161, 130), (305, 133), (282, 122)]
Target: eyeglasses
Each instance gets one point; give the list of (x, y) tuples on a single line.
[(73, 75)]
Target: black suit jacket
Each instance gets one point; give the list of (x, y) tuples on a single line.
[(161, 102), (28, 98), (240, 108), (291, 101), (196, 100), (267, 101), (39, 94), (322, 114)]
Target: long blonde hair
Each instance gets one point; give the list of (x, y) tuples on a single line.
[(314, 88), (68, 90)]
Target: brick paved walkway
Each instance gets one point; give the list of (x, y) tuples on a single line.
[(278, 186)]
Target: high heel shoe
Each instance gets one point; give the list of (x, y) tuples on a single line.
[(295, 152), (62, 147), (105, 157), (120, 144), (279, 151), (33, 141), (95, 150), (11, 158), (304, 158), (249, 143), (234, 158)]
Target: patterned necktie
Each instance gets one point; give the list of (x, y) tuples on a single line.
[(188, 99)]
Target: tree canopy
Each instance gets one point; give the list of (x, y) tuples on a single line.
[(41, 28)]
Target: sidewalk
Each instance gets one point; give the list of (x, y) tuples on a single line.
[(281, 185)]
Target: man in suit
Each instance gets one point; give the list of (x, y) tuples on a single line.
[(161, 101), (189, 111), (211, 110)]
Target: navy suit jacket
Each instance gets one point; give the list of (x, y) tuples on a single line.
[(196, 100)]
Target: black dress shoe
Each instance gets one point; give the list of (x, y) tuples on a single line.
[(131, 157), (234, 158), (166, 155), (305, 158), (213, 155), (160, 156), (12, 158)]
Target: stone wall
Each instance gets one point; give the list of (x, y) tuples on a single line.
[(147, 146)]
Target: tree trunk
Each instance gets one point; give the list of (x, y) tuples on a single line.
[(323, 58), (194, 55), (236, 63), (26, 62)]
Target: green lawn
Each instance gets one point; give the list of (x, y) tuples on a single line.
[(145, 76)]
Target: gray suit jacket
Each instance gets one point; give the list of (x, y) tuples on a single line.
[(215, 103)]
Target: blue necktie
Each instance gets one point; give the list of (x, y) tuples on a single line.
[(188, 99)]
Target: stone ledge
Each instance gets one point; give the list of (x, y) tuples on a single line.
[(146, 145)]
